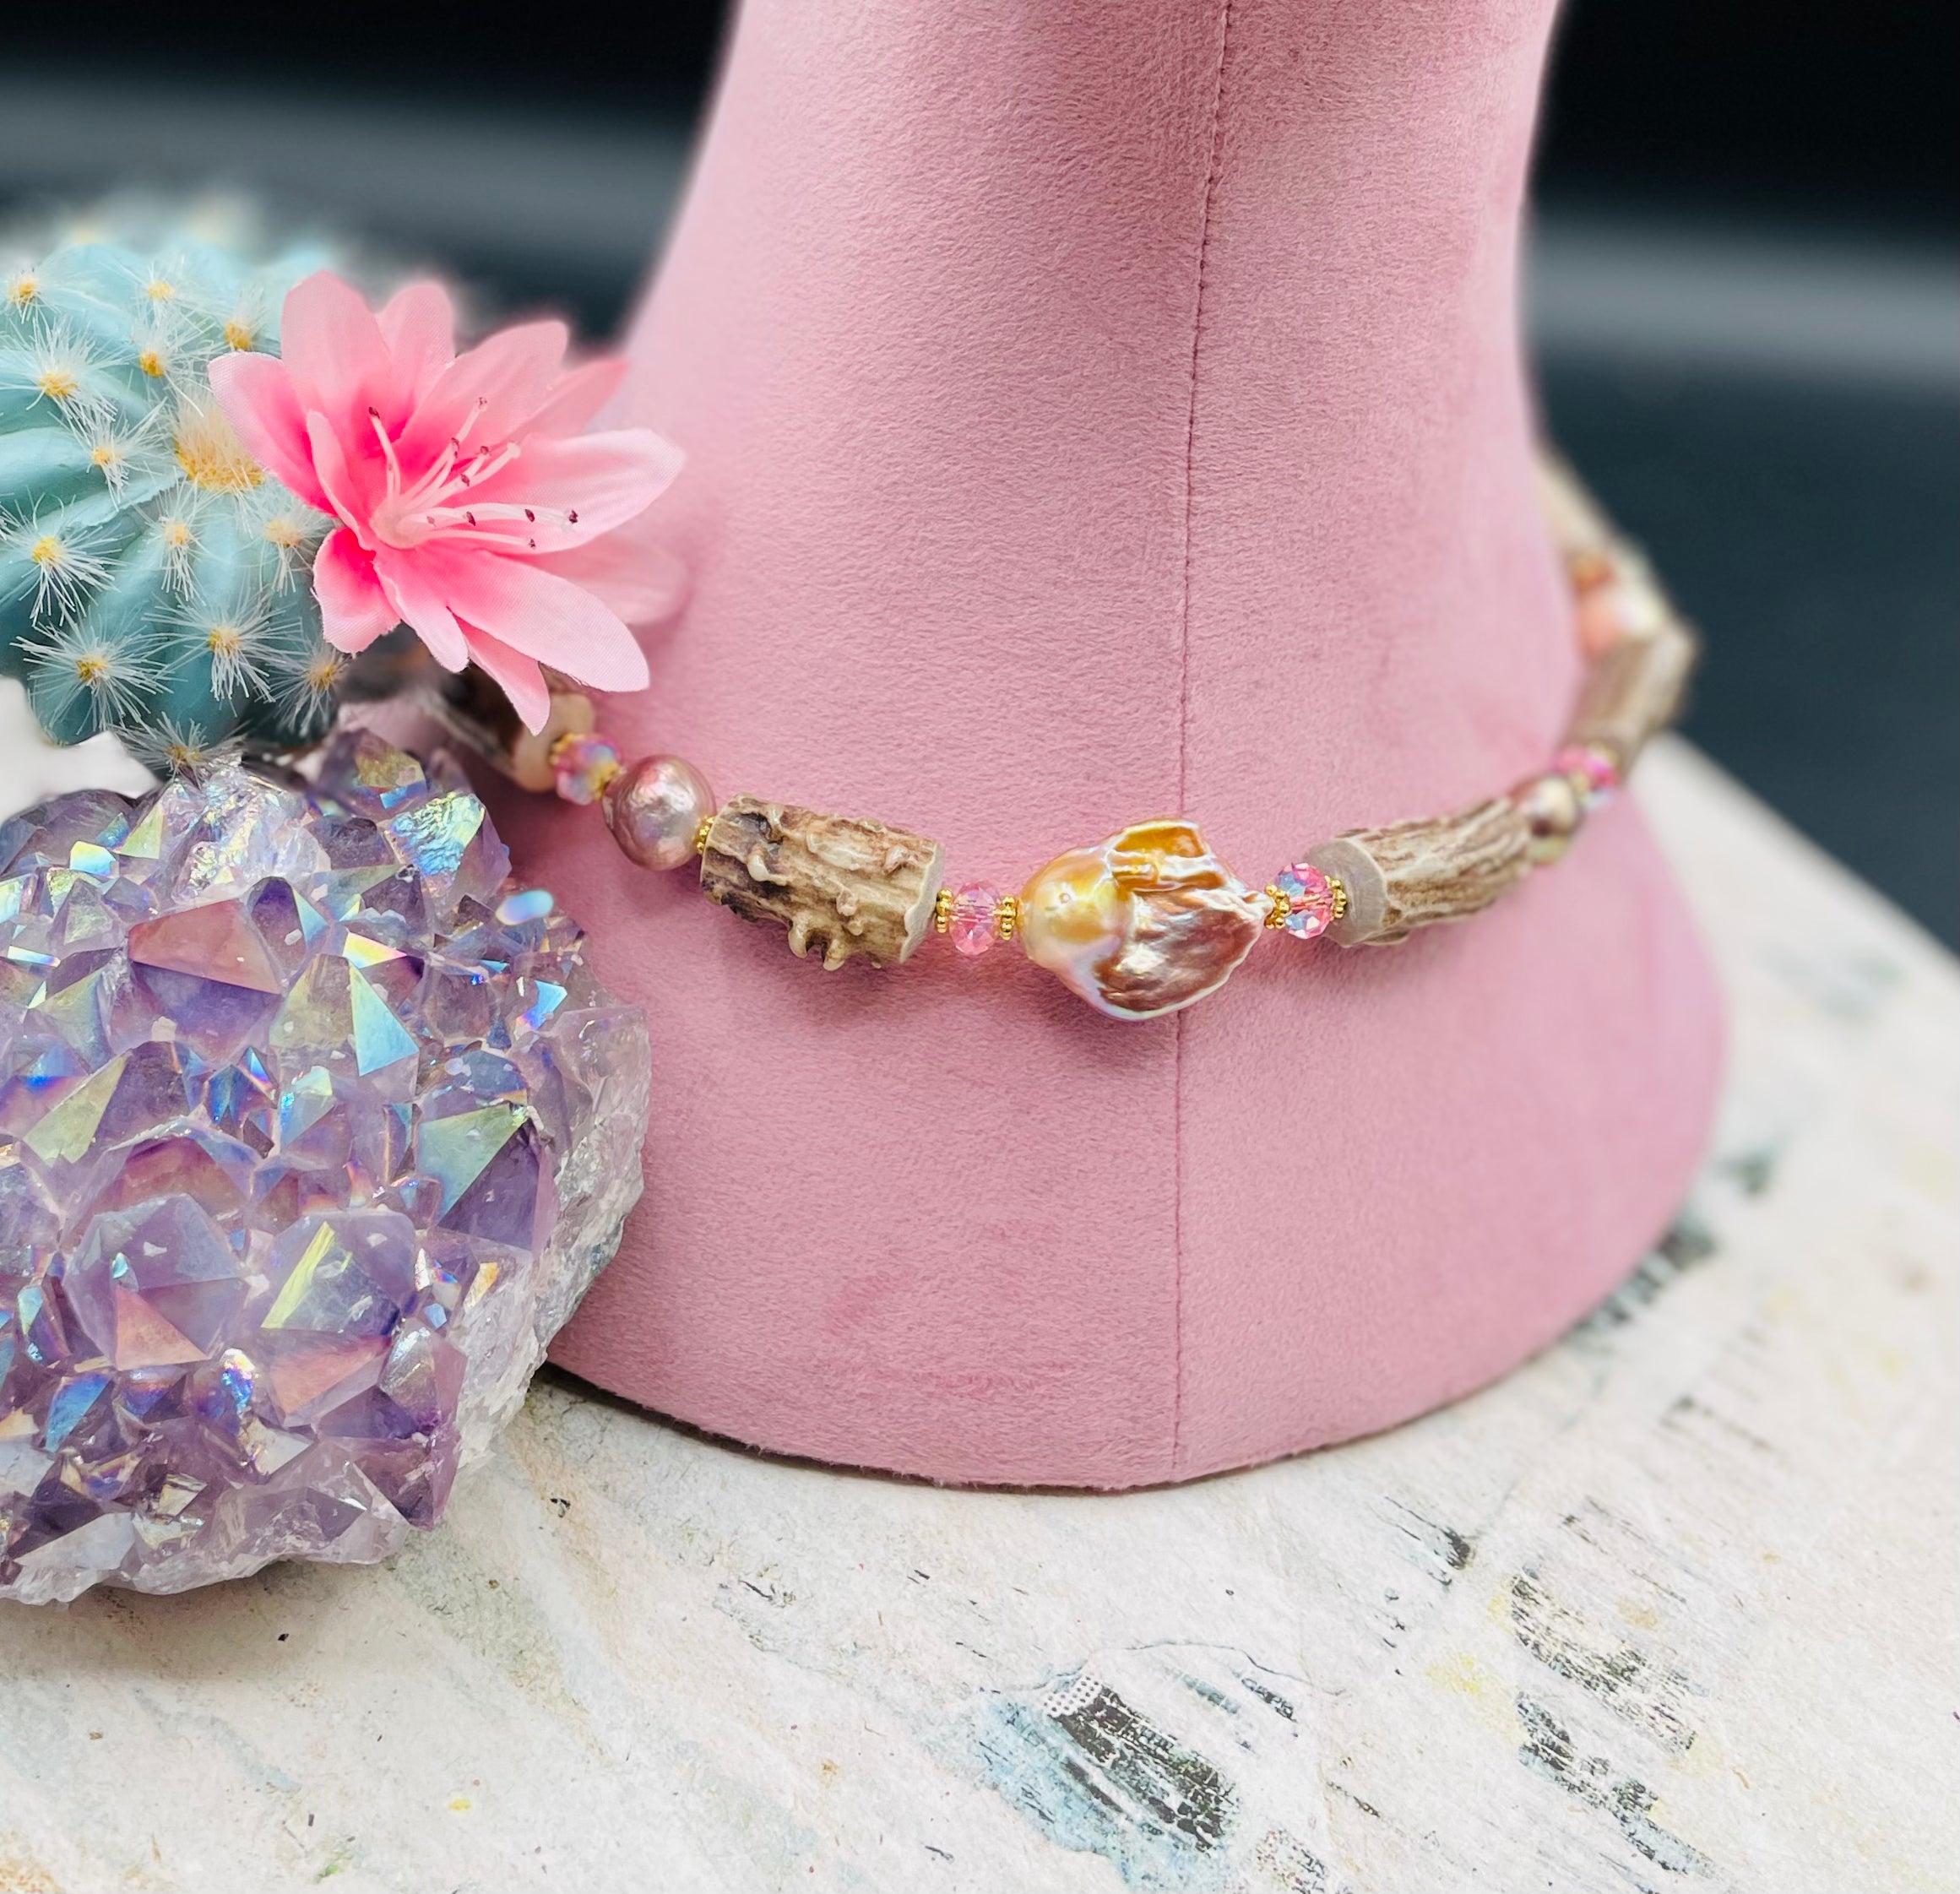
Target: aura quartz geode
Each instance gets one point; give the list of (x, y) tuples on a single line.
[(313, 1131)]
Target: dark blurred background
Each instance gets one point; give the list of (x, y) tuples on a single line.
[(1745, 301)]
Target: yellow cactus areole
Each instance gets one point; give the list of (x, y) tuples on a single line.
[(239, 335), (46, 551), (24, 289), (58, 383), (152, 364), (213, 458)]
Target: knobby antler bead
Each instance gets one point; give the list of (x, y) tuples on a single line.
[(1632, 690), (840, 885), (1412, 874)]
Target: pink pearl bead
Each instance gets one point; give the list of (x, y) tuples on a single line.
[(655, 808), (972, 922)]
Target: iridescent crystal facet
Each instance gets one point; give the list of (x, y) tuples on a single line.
[(313, 1130)]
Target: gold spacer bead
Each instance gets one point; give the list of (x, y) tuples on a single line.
[(1338, 889), (1281, 908), (943, 910), (1007, 918), (701, 834)]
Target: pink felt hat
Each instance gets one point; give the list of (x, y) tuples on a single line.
[(1094, 414)]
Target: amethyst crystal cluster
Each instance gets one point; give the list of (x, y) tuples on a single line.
[(313, 1130)]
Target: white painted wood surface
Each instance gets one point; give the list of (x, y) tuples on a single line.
[(1672, 1607)]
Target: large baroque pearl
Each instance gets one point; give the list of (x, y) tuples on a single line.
[(1142, 924)]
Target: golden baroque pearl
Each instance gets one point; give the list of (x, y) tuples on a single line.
[(1142, 924)]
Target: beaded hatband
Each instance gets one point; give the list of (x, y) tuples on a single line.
[(1149, 919)]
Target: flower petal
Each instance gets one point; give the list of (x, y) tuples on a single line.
[(492, 390), (419, 325), (354, 609), (419, 605), (606, 479), (576, 397), (520, 678), (333, 349), (540, 615), (256, 396), (645, 583), (340, 484)]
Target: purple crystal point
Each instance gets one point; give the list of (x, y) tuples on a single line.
[(313, 1130), (216, 941)]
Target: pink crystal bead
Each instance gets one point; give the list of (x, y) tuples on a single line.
[(971, 921), (582, 764), (1590, 767), (1309, 900)]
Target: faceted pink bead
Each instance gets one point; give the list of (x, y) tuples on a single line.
[(584, 765), (971, 924), (1592, 766), (1309, 900)]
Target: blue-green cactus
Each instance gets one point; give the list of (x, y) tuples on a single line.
[(154, 581)]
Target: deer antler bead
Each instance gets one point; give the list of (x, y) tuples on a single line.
[(840, 885)]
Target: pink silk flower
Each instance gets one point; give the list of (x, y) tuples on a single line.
[(471, 506)]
